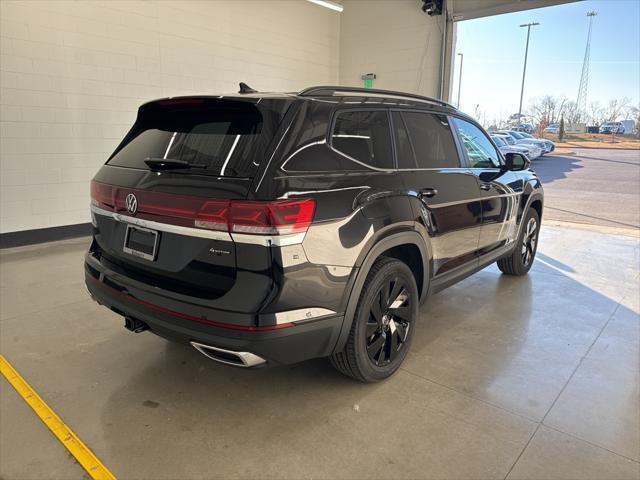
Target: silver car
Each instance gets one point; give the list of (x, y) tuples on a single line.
[(612, 127), (502, 141), (521, 139), (550, 146)]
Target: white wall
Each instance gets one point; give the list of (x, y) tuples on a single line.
[(72, 75), (393, 39)]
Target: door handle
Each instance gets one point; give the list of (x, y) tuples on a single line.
[(429, 192), (485, 186)]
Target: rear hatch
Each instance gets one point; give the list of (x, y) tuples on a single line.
[(159, 204)]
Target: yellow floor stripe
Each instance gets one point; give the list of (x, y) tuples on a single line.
[(78, 449)]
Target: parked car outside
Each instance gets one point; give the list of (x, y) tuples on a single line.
[(505, 148), (524, 127), (554, 129), (612, 127), (549, 145), (270, 228), (521, 139), (535, 151)]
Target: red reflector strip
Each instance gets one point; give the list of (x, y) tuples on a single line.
[(184, 316)]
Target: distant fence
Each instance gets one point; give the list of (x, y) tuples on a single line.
[(575, 128)]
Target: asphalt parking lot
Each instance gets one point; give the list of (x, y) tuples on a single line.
[(598, 187)]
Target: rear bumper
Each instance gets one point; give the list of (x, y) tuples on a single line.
[(280, 344)]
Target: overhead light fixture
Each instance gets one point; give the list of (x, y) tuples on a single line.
[(329, 4)]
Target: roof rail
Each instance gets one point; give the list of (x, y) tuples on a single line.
[(329, 90)]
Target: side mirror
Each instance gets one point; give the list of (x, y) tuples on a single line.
[(516, 162)]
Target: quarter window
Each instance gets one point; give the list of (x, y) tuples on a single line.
[(480, 151), (364, 136)]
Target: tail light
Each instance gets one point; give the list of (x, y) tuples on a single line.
[(277, 217), (271, 218)]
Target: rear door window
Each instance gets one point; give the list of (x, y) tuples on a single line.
[(424, 140), (364, 137), (221, 137)]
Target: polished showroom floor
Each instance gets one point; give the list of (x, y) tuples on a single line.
[(533, 377)]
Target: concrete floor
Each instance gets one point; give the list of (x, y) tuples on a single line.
[(533, 377), (594, 186)]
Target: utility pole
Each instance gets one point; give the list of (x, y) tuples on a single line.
[(460, 78), (524, 69)]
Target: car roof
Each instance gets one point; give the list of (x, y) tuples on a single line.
[(343, 96)]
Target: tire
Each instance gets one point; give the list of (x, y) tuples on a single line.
[(523, 255), (381, 335)]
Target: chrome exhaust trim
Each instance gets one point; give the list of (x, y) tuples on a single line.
[(229, 357)]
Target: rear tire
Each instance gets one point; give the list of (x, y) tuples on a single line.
[(383, 324), (521, 259)]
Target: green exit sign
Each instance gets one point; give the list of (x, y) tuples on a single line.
[(368, 79)]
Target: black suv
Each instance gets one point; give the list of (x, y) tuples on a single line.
[(273, 228)]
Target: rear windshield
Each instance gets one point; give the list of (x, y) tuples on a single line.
[(216, 137)]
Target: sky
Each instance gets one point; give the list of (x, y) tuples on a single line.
[(494, 47)]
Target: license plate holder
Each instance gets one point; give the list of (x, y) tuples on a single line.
[(141, 242)]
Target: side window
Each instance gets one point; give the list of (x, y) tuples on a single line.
[(480, 151), (364, 136), (431, 139)]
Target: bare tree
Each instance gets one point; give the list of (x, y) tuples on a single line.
[(633, 113), (596, 113), (547, 109), (571, 114), (616, 108)]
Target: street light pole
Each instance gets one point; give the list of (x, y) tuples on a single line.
[(460, 78), (524, 69)]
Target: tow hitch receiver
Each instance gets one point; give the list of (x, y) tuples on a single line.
[(135, 325)]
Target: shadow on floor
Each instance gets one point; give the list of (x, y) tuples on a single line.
[(550, 167)]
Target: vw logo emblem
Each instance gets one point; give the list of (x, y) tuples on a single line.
[(131, 203)]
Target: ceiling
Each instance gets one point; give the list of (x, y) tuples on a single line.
[(468, 9)]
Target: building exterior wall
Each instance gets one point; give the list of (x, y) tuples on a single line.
[(72, 75), (393, 39)]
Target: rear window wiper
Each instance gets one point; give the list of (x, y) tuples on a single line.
[(171, 163)]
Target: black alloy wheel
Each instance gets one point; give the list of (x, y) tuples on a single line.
[(383, 324), (529, 241), (390, 318), (521, 257)]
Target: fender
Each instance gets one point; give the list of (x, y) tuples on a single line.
[(394, 240), (535, 194)]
